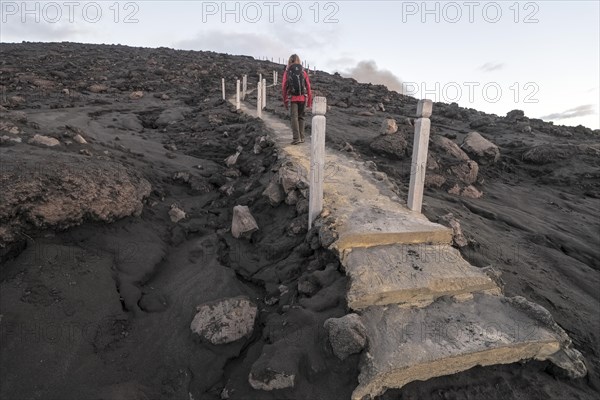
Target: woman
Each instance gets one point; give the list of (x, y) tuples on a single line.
[(296, 90)]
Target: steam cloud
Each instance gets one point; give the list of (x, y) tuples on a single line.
[(366, 71), (580, 111)]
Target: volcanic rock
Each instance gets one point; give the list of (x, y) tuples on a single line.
[(65, 192), (481, 149), (243, 223), (225, 321), (389, 126), (393, 146), (44, 141), (457, 235), (347, 335)]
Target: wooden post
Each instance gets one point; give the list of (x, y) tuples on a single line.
[(237, 94), (259, 100), (419, 156), (244, 86), (317, 159), (274, 78), (223, 87), (264, 94)]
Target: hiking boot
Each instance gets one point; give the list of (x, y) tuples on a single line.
[(295, 141), (301, 140)]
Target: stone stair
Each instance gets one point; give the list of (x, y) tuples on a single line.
[(427, 311), (410, 274), (446, 337)]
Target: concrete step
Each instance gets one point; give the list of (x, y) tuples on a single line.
[(447, 337), (366, 210), (410, 275), (368, 213)]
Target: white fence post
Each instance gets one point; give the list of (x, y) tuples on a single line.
[(317, 159), (264, 94), (419, 156), (244, 86), (237, 94), (259, 100), (223, 87)]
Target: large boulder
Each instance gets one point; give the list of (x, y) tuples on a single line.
[(450, 148), (44, 141), (58, 192), (482, 150), (515, 115), (274, 193), (389, 126), (292, 176), (225, 321), (347, 335), (466, 172), (243, 223), (274, 369), (454, 164), (547, 153), (393, 146)]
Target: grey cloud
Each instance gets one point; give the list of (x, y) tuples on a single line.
[(16, 31), (489, 67), (580, 111), (297, 36), (281, 41), (366, 71), (235, 43)]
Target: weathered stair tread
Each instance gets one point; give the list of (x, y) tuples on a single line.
[(446, 316), (446, 337), (380, 222), (410, 275), (366, 211)]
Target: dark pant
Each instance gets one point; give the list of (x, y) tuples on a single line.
[(297, 116)]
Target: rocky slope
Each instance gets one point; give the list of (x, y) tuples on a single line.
[(92, 134)]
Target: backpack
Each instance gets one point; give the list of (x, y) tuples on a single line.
[(296, 83)]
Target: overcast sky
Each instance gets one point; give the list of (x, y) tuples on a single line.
[(541, 57)]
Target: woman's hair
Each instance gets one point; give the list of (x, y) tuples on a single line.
[(294, 59)]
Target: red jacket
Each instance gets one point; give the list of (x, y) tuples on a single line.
[(296, 99)]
